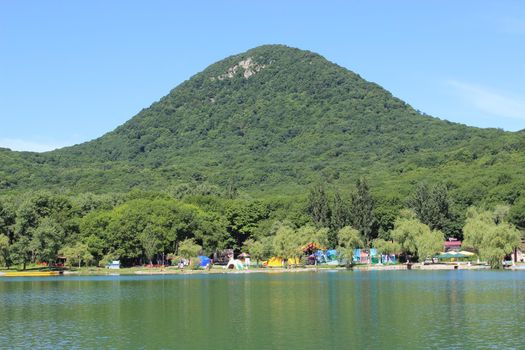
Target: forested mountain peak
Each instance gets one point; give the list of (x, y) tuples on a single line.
[(275, 119), (262, 98)]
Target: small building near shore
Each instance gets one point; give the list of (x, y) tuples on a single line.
[(452, 244), (114, 265)]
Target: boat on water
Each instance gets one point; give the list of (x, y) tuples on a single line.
[(31, 273)]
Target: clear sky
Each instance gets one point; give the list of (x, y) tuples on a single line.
[(72, 70)]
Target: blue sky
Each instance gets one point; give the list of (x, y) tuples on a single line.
[(72, 70)]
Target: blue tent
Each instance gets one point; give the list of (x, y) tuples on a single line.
[(331, 255), (204, 260), (320, 257), (357, 255)]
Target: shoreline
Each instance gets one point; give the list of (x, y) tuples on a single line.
[(221, 270), (92, 271)]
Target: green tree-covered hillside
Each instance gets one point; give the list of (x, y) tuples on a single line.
[(274, 120)]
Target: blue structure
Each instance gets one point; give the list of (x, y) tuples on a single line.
[(204, 260), (331, 257), (327, 257), (361, 256), (357, 255)]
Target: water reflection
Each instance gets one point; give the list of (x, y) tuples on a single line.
[(379, 309)]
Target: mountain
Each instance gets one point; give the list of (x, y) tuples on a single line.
[(273, 120)]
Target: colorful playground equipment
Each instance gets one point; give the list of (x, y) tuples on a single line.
[(362, 256), (327, 257)]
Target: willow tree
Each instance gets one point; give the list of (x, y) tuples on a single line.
[(416, 238), (429, 243), (490, 235), (256, 249), (286, 243), (189, 249), (310, 234), (349, 238), (387, 247)]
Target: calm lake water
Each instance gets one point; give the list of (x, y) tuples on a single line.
[(323, 310)]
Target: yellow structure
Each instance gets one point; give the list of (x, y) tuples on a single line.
[(279, 262), (31, 274), (294, 261)]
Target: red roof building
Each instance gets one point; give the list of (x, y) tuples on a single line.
[(452, 245)]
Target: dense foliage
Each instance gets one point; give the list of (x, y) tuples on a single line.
[(490, 234), (154, 227), (298, 119), (261, 150)]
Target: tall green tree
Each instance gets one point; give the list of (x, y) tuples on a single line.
[(47, 240), (243, 219), (363, 211), (432, 207), (517, 213), (386, 212), (7, 218), (341, 216), (4, 250), (318, 206), (27, 218), (150, 243), (20, 251)]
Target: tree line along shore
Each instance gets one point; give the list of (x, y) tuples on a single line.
[(142, 227)]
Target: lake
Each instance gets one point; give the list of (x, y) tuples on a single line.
[(304, 310)]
